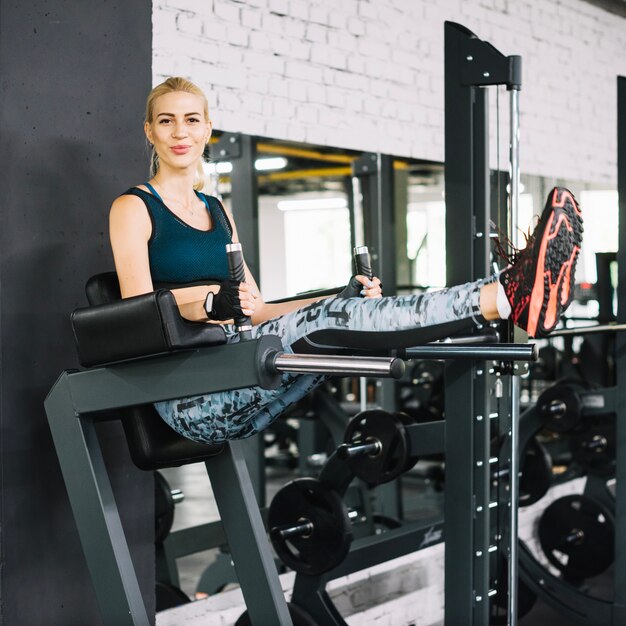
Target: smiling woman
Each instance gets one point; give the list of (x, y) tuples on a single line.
[(167, 233)]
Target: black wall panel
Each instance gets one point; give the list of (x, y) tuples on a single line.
[(73, 80)]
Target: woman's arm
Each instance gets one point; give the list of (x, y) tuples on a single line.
[(252, 300), (130, 229)]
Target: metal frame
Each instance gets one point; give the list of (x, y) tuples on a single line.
[(470, 65), (79, 399)]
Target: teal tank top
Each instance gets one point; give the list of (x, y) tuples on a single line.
[(180, 253)]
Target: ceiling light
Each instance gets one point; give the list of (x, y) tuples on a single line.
[(312, 204), (262, 165), (221, 167), (270, 163)]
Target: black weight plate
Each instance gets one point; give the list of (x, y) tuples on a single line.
[(407, 420), (388, 429), (536, 473), (593, 447), (560, 408), (306, 499), (299, 617), (426, 383), (548, 364), (163, 508), (577, 535)]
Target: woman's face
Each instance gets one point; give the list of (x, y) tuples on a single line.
[(179, 131)]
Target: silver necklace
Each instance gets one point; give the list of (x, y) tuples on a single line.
[(171, 198)]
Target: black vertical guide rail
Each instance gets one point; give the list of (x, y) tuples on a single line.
[(619, 608), (375, 172), (240, 150), (470, 65), (349, 191)]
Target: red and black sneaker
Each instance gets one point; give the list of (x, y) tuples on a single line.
[(539, 285)]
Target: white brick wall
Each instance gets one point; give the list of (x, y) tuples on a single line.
[(368, 74)]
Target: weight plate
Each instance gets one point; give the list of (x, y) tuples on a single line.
[(407, 420), (536, 473), (424, 390), (327, 542), (577, 535), (560, 408), (299, 617), (163, 508), (392, 459), (593, 447)]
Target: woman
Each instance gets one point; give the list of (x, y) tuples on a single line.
[(167, 232)]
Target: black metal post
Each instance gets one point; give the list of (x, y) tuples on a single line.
[(247, 538), (619, 613), (95, 511), (240, 150), (470, 66), (376, 174)]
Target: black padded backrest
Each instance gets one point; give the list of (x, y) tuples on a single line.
[(103, 289), (152, 443)]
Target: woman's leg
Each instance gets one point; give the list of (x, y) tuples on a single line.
[(533, 291), (239, 413), (389, 314)]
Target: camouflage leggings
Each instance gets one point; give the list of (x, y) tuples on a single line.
[(239, 413)]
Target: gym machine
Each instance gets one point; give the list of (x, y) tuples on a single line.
[(471, 65), (168, 361), (178, 354), (129, 370)]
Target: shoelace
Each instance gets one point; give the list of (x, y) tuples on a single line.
[(506, 250)]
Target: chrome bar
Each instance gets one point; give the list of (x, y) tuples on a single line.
[(303, 530), (588, 330), (489, 336), (515, 381), (371, 447), (513, 502), (514, 164), (498, 352), (337, 365)]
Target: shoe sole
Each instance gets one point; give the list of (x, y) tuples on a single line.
[(559, 245)]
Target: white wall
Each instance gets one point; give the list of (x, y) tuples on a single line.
[(368, 74)]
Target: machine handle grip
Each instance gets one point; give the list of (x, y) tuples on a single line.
[(236, 271), (362, 262)]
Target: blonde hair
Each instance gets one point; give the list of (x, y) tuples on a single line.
[(175, 83)]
